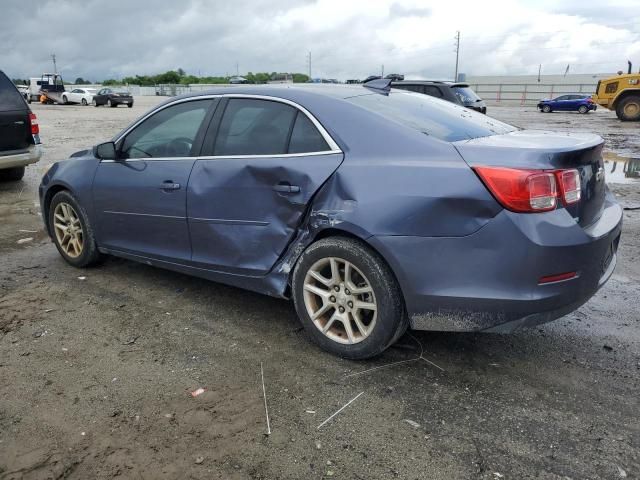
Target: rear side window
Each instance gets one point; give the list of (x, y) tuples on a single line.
[(443, 120), (305, 137), (410, 88), (433, 91), (254, 127), (10, 98)]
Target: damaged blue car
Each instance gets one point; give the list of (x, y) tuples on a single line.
[(374, 209)]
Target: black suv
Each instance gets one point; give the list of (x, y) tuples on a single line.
[(19, 132), (459, 93)]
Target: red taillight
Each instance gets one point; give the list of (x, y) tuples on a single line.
[(35, 128), (521, 190), (559, 277), (569, 181)]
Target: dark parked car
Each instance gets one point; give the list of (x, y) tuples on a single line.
[(578, 102), (112, 97), (373, 209), (460, 93), (19, 132)]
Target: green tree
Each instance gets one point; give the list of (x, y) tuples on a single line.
[(300, 78), (110, 81), (181, 72), (81, 81)]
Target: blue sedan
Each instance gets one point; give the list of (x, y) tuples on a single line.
[(578, 102), (373, 209)]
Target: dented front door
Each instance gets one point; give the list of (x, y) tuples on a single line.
[(242, 212)]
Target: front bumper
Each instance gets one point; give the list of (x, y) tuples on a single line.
[(21, 158), (489, 280)]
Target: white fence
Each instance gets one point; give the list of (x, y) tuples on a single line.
[(527, 93)]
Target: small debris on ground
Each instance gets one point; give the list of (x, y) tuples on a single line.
[(198, 391), (412, 423), (199, 460), (24, 240), (82, 278), (607, 348)]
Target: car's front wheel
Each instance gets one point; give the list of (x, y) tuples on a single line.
[(111, 104), (546, 109), (72, 232), (347, 298), (94, 102)]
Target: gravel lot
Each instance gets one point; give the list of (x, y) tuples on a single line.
[(96, 366)]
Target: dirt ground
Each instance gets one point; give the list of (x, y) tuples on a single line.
[(96, 365)]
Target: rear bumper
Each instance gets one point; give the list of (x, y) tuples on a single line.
[(489, 280), (122, 101), (21, 158)]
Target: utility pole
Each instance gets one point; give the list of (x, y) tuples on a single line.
[(455, 79), (539, 70), (309, 60), (55, 68), (237, 70), (382, 71)]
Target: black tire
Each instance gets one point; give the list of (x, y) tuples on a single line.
[(546, 109), (583, 109), (628, 108), (90, 255), (111, 104), (84, 102), (64, 100), (95, 103), (391, 321), (12, 174), (130, 104)]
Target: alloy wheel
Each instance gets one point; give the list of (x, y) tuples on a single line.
[(68, 230), (340, 300)]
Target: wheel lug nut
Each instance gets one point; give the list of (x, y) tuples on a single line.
[(332, 299), (350, 304), (347, 291), (336, 288), (341, 309)]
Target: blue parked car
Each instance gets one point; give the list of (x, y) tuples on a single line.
[(578, 102), (373, 209)]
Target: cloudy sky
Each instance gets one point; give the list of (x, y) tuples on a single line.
[(98, 39)]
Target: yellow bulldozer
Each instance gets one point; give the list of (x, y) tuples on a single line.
[(620, 94)]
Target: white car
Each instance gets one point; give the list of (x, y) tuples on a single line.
[(79, 95)]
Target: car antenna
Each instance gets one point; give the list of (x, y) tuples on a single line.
[(382, 84)]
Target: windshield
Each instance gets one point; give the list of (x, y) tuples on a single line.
[(466, 95), (120, 90), (432, 116)]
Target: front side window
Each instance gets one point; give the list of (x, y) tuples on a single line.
[(169, 133), (254, 127), (611, 87)]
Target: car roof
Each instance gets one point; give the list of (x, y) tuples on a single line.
[(299, 93)]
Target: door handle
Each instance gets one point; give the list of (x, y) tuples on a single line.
[(169, 185), (286, 188)]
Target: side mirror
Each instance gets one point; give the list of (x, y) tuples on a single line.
[(105, 151)]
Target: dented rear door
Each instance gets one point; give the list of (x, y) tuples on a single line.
[(243, 209)]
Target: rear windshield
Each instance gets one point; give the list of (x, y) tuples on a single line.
[(432, 116), (465, 95), (10, 98)]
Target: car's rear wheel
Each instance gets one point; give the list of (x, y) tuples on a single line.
[(72, 232), (94, 102), (546, 109), (583, 109), (84, 102), (628, 109), (347, 298), (64, 100), (12, 174)]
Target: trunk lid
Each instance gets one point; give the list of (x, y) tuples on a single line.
[(537, 149)]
